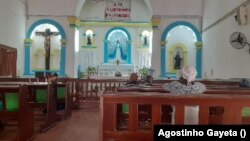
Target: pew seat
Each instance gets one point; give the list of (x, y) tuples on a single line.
[(16, 114)]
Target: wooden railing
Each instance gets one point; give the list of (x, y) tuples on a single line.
[(131, 129), (89, 89)]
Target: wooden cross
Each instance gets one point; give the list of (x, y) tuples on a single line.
[(47, 34)]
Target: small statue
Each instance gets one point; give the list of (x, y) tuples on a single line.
[(89, 42), (145, 38), (117, 62), (178, 60)]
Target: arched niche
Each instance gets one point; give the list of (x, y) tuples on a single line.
[(28, 46), (182, 49), (117, 38), (164, 42), (89, 39)]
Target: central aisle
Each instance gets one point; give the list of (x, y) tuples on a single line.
[(84, 125)]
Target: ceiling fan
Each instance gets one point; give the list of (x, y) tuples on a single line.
[(238, 40)]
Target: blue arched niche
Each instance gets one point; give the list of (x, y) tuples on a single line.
[(106, 42), (27, 69), (198, 50)]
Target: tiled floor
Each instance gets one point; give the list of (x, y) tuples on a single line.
[(84, 125)]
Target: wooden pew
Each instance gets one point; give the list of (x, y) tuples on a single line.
[(38, 97), (64, 98), (72, 91), (215, 112), (111, 130), (42, 96), (15, 106)]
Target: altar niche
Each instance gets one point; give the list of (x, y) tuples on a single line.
[(89, 39), (118, 47), (47, 34), (177, 57)]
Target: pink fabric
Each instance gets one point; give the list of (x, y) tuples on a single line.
[(189, 73)]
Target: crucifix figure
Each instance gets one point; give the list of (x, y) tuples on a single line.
[(47, 34)]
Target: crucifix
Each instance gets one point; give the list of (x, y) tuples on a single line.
[(47, 35)]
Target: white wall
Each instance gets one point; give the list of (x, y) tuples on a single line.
[(12, 28), (215, 9), (177, 7), (52, 7), (220, 59)]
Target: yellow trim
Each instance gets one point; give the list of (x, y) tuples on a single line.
[(198, 45), (73, 21), (156, 21), (89, 47), (63, 41), (171, 56), (163, 43), (123, 24), (28, 40)]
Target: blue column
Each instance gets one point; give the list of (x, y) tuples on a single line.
[(63, 59), (27, 60), (199, 62), (163, 62), (106, 51), (27, 68), (129, 52)]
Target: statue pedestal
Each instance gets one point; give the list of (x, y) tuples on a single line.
[(110, 69)]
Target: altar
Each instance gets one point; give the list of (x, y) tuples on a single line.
[(108, 69)]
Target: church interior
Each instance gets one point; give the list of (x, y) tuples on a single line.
[(96, 70)]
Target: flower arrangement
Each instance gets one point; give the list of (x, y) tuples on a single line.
[(91, 70), (143, 72)]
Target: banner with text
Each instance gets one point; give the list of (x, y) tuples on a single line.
[(118, 10)]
